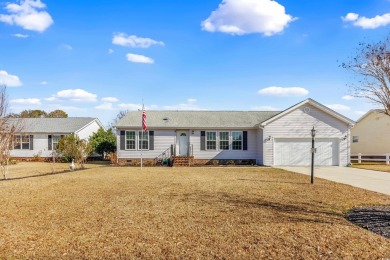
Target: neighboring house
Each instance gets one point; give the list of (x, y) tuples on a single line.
[(370, 135), (264, 138), (40, 136)]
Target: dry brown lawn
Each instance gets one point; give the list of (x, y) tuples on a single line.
[(375, 166), (233, 213)]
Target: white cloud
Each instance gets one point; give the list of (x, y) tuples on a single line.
[(110, 99), (238, 17), (123, 39), (360, 113), (265, 108), (284, 92), (27, 101), (9, 80), (139, 58), (66, 47), (130, 106), (105, 106), (28, 15), (19, 35), (44, 83), (74, 95), (110, 51), (367, 23), (338, 107), (189, 105), (348, 97)]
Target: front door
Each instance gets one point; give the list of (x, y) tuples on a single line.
[(183, 143)]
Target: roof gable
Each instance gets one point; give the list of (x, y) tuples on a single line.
[(313, 103)]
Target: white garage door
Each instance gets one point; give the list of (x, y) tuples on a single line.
[(297, 152)]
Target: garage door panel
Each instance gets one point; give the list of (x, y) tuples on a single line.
[(297, 152)]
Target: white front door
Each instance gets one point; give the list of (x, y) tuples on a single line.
[(183, 142)]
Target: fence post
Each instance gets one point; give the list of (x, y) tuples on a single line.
[(387, 158), (359, 158)]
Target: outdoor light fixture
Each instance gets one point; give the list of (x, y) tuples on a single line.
[(313, 150)]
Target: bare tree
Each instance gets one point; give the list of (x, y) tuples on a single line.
[(118, 117), (372, 66), (8, 128)]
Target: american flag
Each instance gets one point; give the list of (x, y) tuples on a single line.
[(144, 127)]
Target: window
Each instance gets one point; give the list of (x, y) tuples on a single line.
[(22, 142), (130, 140), (211, 140), (355, 139), (143, 140), (223, 140), (55, 139), (237, 140)]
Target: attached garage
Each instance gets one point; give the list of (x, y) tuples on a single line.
[(287, 136), (297, 152)]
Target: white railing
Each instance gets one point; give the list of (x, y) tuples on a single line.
[(371, 157)]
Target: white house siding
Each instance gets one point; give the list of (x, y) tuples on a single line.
[(88, 130), (163, 139), (251, 153), (298, 123), (260, 142), (40, 145)]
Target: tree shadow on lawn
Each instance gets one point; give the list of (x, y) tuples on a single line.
[(278, 212), (40, 175)]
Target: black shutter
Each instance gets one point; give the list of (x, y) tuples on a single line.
[(151, 140), (49, 143), (31, 142), (122, 140), (245, 140), (203, 140)]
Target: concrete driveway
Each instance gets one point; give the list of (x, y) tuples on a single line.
[(365, 179)]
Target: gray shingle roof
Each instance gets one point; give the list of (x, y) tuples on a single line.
[(196, 119), (53, 125)]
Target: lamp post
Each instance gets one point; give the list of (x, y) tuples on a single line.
[(313, 150)]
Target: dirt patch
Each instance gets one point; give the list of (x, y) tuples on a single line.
[(374, 219)]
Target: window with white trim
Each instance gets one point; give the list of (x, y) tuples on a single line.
[(143, 140), (22, 142), (211, 140), (237, 140), (130, 140), (223, 140), (54, 141)]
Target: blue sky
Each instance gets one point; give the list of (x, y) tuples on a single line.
[(95, 58)]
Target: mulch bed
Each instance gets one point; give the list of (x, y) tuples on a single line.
[(374, 219)]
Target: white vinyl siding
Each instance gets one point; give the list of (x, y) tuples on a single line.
[(163, 139), (298, 123), (219, 154)]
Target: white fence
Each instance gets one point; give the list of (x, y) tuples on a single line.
[(371, 158)]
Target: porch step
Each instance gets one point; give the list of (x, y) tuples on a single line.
[(183, 161)]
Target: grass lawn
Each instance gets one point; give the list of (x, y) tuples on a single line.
[(234, 213), (375, 166)]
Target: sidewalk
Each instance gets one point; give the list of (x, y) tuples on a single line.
[(365, 179)]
